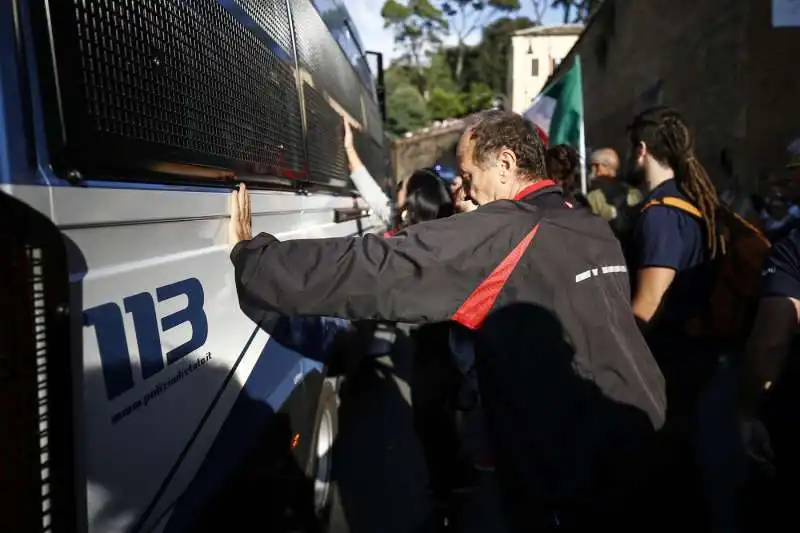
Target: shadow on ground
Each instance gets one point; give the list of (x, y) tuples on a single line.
[(378, 460)]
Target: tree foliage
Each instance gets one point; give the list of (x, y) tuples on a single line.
[(492, 55), (445, 99), (418, 26), (406, 109), (444, 104), (577, 11), (478, 98), (539, 8), (487, 62), (427, 88), (465, 17), (439, 74)]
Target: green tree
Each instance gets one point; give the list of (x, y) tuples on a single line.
[(470, 70), (444, 104), (487, 62), (468, 16), (439, 74), (399, 74), (479, 98), (566, 6), (581, 11), (493, 53), (417, 26), (539, 8), (577, 11), (406, 109)]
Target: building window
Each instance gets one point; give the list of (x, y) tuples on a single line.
[(554, 62), (534, 67)]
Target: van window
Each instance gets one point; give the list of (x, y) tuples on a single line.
[(355, 56), (337, 19)]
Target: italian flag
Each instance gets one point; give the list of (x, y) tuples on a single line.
[(558, 110)]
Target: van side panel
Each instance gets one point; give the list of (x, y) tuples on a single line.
[(166, 367), (166, 350)]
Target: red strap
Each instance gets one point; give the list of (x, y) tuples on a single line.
[(530, 189), (476, 307)]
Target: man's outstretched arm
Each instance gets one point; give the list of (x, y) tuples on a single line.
[(423, 275)]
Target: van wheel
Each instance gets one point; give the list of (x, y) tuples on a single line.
[(327, 502)]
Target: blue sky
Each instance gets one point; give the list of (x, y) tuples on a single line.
[(367, 17)]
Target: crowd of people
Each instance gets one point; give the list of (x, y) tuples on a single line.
[(625, 345)]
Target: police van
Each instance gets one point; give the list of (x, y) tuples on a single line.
[(136, 396)]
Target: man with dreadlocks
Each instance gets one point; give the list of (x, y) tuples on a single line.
[(675, 241), (671, 245)]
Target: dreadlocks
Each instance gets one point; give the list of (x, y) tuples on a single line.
[(669, 141)]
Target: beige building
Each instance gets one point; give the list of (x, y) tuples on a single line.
[(535, 53)]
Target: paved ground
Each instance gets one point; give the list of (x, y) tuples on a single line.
[(379, 461)]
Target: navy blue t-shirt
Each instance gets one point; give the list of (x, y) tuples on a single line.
[(668, 237), (779, 409), (781, 273)]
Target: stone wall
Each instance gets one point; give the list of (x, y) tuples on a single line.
[(719, 62), (429, 146), (773, 89), (423, 150)]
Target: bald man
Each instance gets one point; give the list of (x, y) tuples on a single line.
[(608, 196), (604, 162)]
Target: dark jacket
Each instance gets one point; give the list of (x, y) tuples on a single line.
[(571, 391)]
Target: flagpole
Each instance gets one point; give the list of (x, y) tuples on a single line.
[(582, 148)]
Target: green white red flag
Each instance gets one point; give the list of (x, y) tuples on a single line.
[(558, 111)]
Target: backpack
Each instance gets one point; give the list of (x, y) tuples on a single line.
[(617, 194), (735, 288)]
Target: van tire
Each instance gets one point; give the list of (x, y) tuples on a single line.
[(331, 516)]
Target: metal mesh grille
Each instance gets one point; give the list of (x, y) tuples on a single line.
[(273, 16), (190, 76), (374, 157), (326, 157), (320, 54)]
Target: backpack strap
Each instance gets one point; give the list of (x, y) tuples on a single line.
[(678, 203)]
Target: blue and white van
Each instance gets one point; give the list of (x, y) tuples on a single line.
[(136, 396)]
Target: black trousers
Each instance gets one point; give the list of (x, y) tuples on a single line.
[(435, 383)]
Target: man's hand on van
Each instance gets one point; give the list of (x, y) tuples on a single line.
[(348, 135), (352, 156), (240, 227)]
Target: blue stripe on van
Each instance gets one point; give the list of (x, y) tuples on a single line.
[(102, 184), (46, 178), (174, 470), (268, 386), (244, 18)]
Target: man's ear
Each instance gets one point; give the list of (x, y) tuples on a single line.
[(507, 160), (641, 150)]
